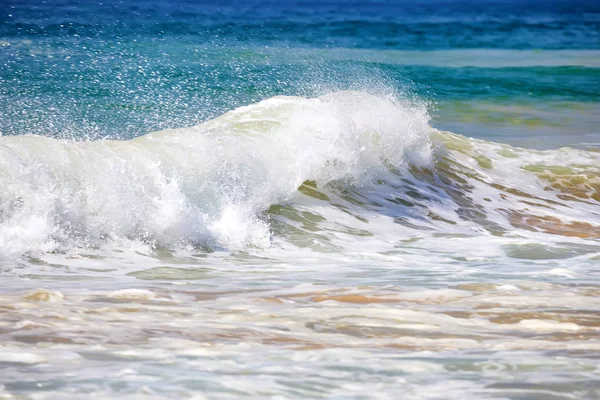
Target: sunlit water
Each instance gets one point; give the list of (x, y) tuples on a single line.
[(300, 223)]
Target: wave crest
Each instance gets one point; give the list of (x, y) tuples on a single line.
[(206, 184)]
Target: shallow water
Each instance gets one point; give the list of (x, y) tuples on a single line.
[(301, 222)]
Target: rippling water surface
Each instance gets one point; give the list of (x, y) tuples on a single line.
[(342, 200)]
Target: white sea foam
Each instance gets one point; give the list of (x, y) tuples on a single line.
[(377, 171), (203, 184)]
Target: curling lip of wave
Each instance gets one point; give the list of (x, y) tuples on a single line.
[(205, 184)]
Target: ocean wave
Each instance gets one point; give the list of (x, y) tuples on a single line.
[(309, 172)]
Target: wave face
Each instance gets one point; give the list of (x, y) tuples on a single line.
[(315, 173), (205, 184)]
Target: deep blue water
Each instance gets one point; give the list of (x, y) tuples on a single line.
[(357, 24)]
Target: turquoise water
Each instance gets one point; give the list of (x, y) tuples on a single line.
[(121, 70), (334, 200)]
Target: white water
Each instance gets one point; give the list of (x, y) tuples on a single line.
[(204, 184), (188, 263)]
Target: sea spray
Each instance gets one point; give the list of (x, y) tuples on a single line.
[(206, 184)]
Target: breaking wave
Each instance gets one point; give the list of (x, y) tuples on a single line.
[(308, 172)]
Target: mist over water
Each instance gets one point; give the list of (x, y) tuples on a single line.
[(277, 200), (205, 184)]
